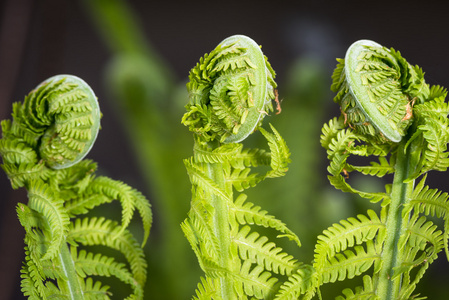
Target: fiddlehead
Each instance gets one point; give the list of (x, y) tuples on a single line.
[(42, 149), (230, 91), (389, 112), (376, 89)]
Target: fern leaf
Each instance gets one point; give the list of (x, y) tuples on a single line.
[(302, 282), (115, 190), (198, 177), (280, 154), (431, 202), (32, 280), (100, 231), (95, 290), (346, 234), (144, 208), (361, 293), (220, 154), (88, 264), (251, 157), (84, 203), (348, 263), (15, 152), (247, 213), (200, 220), (376, 169), (42, 200), (22, 174), (339, 182), (256, 282), (207, 289), (436, 134), (241, 179), (421, 235), (329, 132), (256, 248)]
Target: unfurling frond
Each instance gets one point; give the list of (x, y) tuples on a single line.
[(42, 150)]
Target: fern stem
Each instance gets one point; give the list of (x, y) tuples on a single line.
[(407, 158), (222, 230), (72, 284)]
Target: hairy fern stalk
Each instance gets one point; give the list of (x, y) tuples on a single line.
[(42, 150)]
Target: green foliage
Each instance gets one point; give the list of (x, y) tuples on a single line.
[(239, 261), (393, 119), (42, 150), (392, 114)]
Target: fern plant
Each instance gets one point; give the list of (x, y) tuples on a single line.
[(231, 89), (389, 114), (388, 111), (42, 149)]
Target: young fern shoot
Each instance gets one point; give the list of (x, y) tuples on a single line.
[(388, 112), (42, 150), (231, 90)]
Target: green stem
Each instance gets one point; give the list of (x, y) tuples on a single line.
[(407, 158), (72, 284), (222, 229)]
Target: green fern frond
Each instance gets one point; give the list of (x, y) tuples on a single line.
[(330, 131), (30, 219), (43, 201), (256, 282), (198, 177), (421, 236), (73, 181), (101, 231), (88, 264), (225, 152), (346, 234), (338, 76), (207, 289), (129, 198), (20, 175), (280, 154), (83, 204), (251, 157), (32, 279), (115, 190), (241, 179), (348, 264), (376, 169), (143, 206), (254, 247), (200, 220), (365, 292), (247, 213), (337, 166), (95, 290), (339, 144), (431, 202), (302, 282), (16, 152)]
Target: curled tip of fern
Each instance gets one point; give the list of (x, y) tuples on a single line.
[(376, 89), (230, 91), (64, 116)]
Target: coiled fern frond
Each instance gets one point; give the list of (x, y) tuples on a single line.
[(42, 149)]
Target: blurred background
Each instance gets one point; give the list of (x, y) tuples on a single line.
[(136, 55)]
